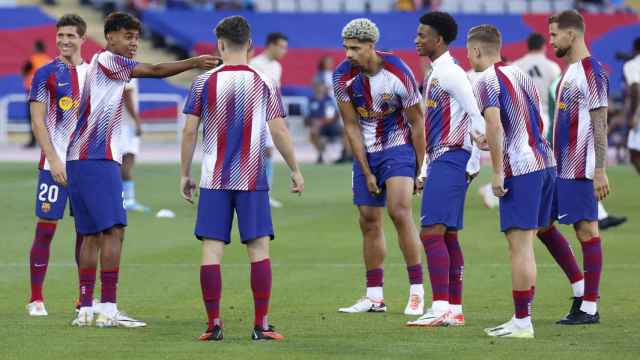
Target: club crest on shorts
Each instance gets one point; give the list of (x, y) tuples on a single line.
[(45, 207)]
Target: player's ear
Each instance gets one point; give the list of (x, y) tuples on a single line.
[(221, 47)]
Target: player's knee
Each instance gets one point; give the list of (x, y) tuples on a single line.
[(370, 223), (400, 213), (436, 229), (585, 231)]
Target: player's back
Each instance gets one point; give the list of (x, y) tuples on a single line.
[(234, 103), (541, 70), (514, 93)]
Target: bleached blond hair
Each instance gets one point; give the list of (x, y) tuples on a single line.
[(362, 30)]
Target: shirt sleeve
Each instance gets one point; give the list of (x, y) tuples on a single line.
[(408, 90), (193, 105), (340, 79), (275, 107), (39, 90), (473, 165), (631, 73), (487, 92), (116, 67), (597, 84), (457, 84)]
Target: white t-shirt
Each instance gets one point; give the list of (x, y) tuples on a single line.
[(543, 72), (269, 67), (133, 87)]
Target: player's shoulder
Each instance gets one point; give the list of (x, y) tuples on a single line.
[(632, 65), (392, 60), (345, 67), (591, 64), (48, 69)]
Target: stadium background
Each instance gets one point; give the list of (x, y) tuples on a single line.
[(164, 251)]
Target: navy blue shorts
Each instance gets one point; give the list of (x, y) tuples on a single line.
[(95, 191), (574, 201), (444, 191), (527, 204), (51, 197), (396, 161), (215, 214)]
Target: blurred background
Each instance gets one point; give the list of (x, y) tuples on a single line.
[(311, 50)]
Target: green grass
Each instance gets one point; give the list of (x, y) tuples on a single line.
[(317, 268)]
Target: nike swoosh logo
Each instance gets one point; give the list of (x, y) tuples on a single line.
[(422, 218), (562, 216), (63, 84)]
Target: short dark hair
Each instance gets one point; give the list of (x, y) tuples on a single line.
[(73, 20), (636, 44), (443, 23), (486, 34), (535, 41), (274, 37), (120, 20), (568, 19), (234, 29), (39, 46)]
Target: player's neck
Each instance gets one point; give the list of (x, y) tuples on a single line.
[(75, 59), (577, 53), (239, 58), (373, 66), (438, 53)]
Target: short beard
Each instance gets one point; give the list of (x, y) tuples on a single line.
[(562, 52)]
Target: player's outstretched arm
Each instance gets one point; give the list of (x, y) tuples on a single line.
[(599, 123), (354, 137), (283, 143), (203, 62), (38, 113), (187, 148), (495, 135)]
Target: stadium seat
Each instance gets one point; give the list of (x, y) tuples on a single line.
[(494, 6), (540, 7), (517, 7), (332, 5), (356, 6), (309, 6), (450, 6), (381, 6), (286, 6), (264, 5), (472, 7)]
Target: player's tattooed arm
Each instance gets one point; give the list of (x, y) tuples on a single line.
[(282, 141), (203, 62), (58, 168), (354, 136), (415, 115), (495, 139), (187, 148), (599, 123)]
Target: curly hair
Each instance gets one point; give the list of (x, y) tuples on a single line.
[(363, 30), (443, 23)]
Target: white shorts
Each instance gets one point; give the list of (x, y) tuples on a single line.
[(633, 143), (129, 142)]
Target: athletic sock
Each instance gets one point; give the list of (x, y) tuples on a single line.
[(87, 283), (561, 251), (415, 274), (438, 265), (109, 285), (375, 281), (261, 287), (456, 268), (39, 257), (522, 302), (592, 259), (211, 285)]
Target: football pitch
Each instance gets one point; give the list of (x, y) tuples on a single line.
[(317, 268)]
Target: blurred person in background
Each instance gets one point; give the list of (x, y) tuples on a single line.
[(38, 59), (267, 62), (322, 119)]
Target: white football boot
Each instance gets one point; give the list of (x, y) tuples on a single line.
[(510, 330), (365, 305), (432, 319), (36, 308), (84, 317)]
